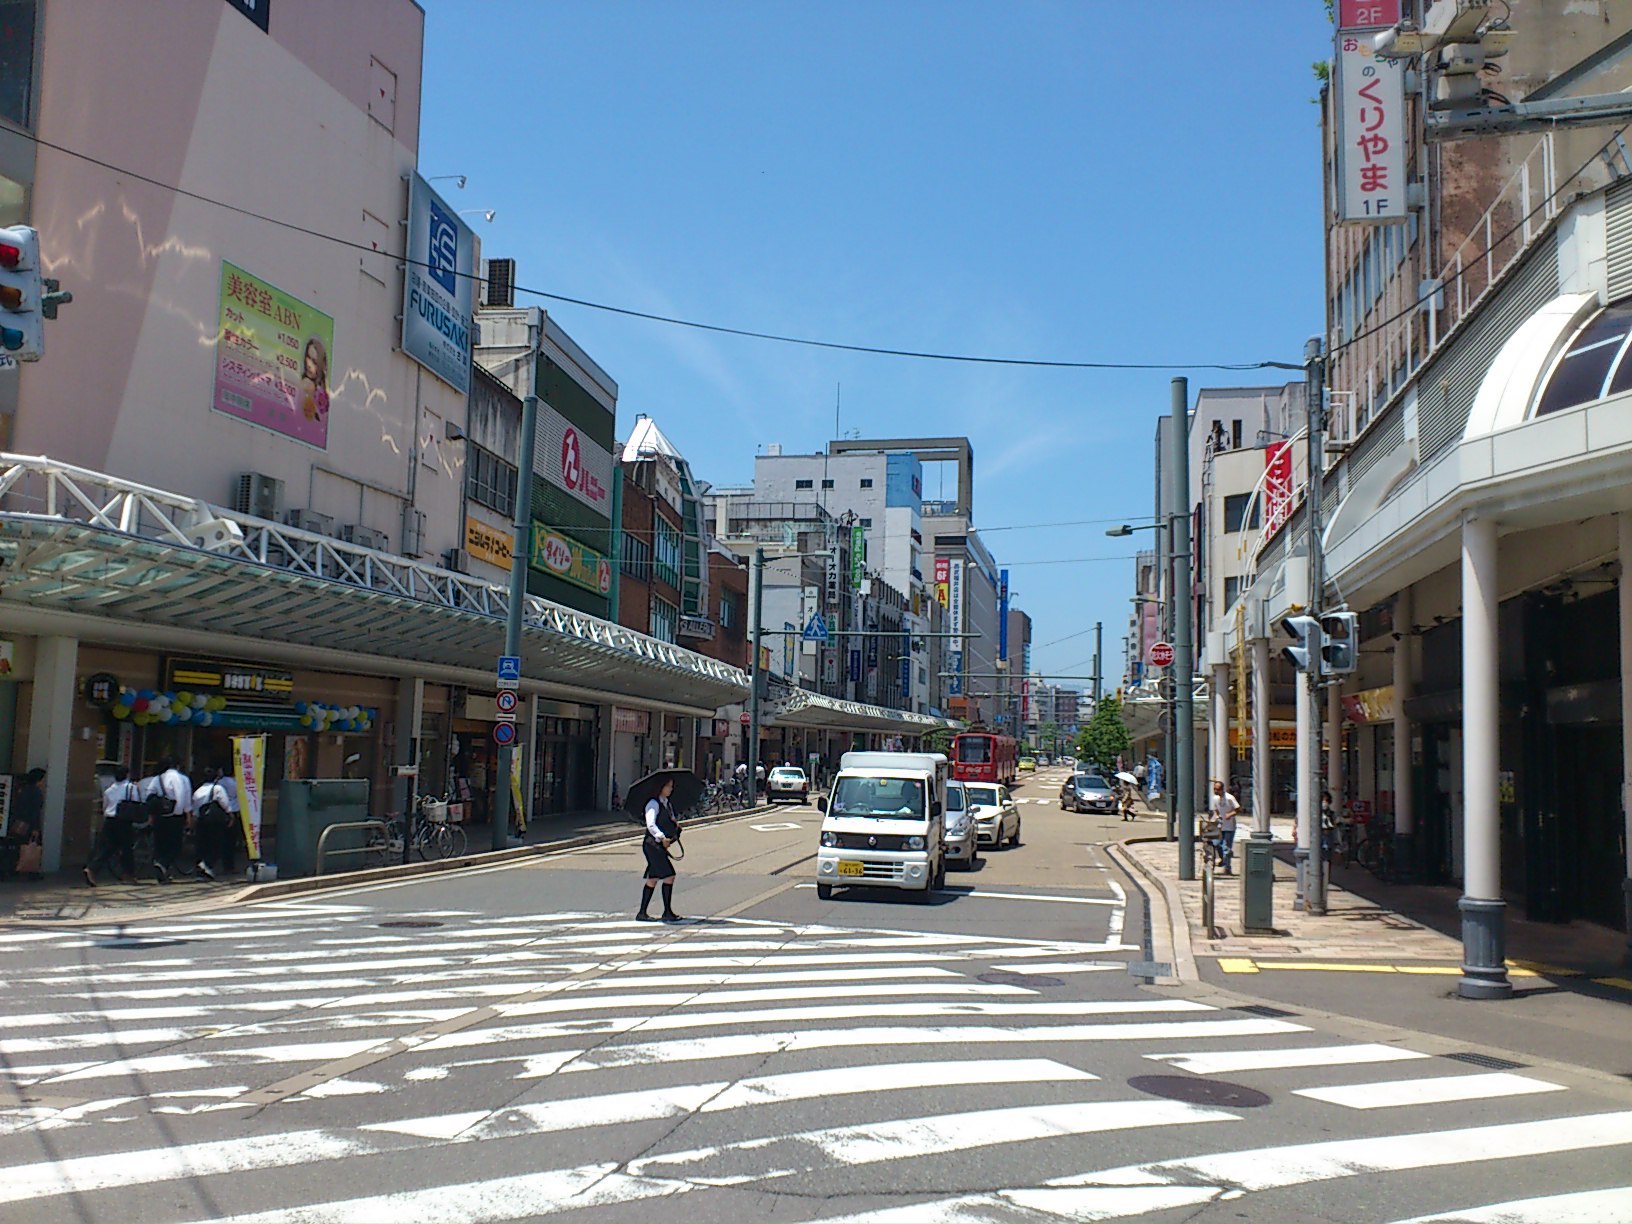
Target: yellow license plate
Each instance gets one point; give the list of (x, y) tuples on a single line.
[(849, 868)]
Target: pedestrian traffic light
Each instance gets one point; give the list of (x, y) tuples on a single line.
[(1305, 654), (22, 332), (1340, 642)]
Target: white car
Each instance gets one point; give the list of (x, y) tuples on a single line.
[(788, 782), (959, 837), (997, 820)]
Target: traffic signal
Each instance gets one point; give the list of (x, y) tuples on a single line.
[(1305, 630), (1339, 649), (22, 331)]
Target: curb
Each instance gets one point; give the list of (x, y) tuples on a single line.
[(1175, 924)]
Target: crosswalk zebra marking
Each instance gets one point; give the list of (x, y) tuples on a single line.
[(1612, 1206), (1438, 1091), (891, 1077), (1226, 1062)]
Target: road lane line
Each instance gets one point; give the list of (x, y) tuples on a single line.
[(1437, 1091)]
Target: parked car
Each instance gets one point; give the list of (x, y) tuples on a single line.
[(1085, 792), (788, 782), (1044, 761), (997, 819), (959, 838), (1027, 764)]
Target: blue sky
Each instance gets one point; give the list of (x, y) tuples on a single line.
[(1090, 181)]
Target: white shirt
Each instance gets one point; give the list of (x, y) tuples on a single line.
[(1225, 807), (229, 783), (652, 809), (116, 794), (216, 791), (178, 788)]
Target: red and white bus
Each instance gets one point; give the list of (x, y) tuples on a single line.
[(980, 756)]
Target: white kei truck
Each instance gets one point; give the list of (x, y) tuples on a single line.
[(882, 824)]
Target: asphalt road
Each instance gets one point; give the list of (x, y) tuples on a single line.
[(507, 1043)]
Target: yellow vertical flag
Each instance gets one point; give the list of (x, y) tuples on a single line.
[(249, 768), (515, 789)]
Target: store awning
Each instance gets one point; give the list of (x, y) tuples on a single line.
[(88, 554), (796, 707)]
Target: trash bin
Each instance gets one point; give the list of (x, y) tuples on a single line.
[(308, 806), (1258, 886)]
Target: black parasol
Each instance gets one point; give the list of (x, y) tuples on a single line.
[(688, 788)]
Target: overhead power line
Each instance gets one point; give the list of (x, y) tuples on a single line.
[(671, 320)]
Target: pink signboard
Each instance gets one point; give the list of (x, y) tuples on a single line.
[(273, 356)]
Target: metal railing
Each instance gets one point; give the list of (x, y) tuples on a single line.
[(323, 850), (42, 488)]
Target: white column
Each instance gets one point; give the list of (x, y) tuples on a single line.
[(1308, 804), (1218, 731), (50, 730), (605, 766), (1624, 522), (1405, 824), (1263, 783), (1484, 946)]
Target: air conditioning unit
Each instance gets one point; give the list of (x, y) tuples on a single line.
[(310, 520), (364, 537), (258, 494), (457, 560), (413, 531)]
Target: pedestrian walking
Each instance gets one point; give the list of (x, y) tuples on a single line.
[(212, 822), (170, 808), (26, 826), (122, 811), (662, 831), (1223, 806)]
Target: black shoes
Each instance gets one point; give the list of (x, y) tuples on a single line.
[(90, 877), (644, 918), (204, 872), (671, 918)]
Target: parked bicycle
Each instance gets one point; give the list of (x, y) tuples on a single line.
[(434, 835)]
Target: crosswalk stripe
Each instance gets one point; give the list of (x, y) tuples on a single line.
[(581, 1001), (1295, 1164), (570, 1114), (889, 1077), (1225, 1062), (1612, 1206), (874, 1142), (1436, 1091)]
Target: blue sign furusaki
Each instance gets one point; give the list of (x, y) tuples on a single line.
[(438, 287)]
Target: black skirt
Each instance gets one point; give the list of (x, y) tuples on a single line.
[(659, 866)]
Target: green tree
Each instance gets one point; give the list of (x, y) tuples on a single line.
[(1048, 737), (1105, 737)]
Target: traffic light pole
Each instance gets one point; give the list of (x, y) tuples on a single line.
[(1184, 723), (757, 601), (1314, 890), (521, 550)]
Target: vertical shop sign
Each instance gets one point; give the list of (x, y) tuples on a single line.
[(249, 768), (1371, 147), (1277, 487), (943, 579), (438, 287), (858, 554), (1003, 615)]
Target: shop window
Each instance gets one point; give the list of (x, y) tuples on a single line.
[(1593, 366)]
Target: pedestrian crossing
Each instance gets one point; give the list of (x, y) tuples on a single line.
[(307, 1061)]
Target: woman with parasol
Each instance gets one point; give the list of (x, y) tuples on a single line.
[(662, 831)]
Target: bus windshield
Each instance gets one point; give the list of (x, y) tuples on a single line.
[(974, 749), (896, 798)]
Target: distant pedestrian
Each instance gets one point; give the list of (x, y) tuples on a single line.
[(122, 811), (213, 810), (662, 831), (170, 808), (1223, 808)]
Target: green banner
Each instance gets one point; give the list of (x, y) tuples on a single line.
[(570, 561), (858, 550)]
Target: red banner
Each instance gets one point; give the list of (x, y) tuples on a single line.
[(1367, 14), (1277, 486)]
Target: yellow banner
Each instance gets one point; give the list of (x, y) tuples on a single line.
[(249, 768), (515, 788)]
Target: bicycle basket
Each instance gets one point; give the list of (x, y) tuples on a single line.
[(434, 811)]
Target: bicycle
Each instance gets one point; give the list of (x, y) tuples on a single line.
[(433, 836)]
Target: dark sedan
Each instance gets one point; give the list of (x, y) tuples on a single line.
[(1087, 793)]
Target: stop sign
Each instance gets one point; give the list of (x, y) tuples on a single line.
[(1161, 654), (743, 719)]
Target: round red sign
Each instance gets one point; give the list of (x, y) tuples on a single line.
[(1161, 654), (743, 719)]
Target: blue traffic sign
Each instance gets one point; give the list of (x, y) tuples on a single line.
[(504, 734), (509, 667), (815, 628)]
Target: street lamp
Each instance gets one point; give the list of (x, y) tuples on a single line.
[(757, 612), (487, 213)]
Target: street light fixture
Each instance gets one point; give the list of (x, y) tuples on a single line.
[(487, 213), (757, 611)]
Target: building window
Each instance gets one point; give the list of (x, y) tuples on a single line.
[(489, 480), (637, 557), (867, 483), (866, 523), (18, 20), (1235, 512), (804, 484), (1232, 591), (728, 612), (665, 620), (666, 552), (827, 484)]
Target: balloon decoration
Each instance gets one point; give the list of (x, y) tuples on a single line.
[(144, 707)]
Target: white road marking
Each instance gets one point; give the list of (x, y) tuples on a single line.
[(1430, 1091), (874, 1142), (1223, 1062), (983, 893), (1612, 1206), (1065, 967), (584, 1001), (779, 825), (889, 1077)]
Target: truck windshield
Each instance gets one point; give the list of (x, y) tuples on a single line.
[(892, 797)]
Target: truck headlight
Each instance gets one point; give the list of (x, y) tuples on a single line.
[(915, 843), (829, 839)]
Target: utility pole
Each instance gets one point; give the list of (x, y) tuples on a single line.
[(756, 580), (1099, 646), (1184, 666), (1314, 889), (521, 551)]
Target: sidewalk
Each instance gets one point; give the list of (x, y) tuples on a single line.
[(64, 897)]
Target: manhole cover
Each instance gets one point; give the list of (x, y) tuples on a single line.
[(1489, 1061), (410, 922), (998, 977), (1199, 1091)]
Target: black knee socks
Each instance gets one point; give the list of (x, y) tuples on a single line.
[(646, 891), (668, 898)]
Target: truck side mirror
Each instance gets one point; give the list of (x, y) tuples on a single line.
[(935, 808), (821, 803)]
